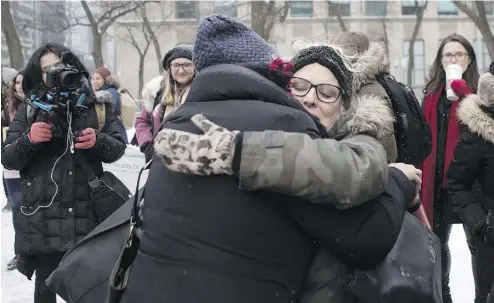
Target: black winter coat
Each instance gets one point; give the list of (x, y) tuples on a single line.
[(204, 240), (473, 160), (56, 225)]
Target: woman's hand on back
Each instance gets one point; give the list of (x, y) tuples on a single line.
[(413, 174)]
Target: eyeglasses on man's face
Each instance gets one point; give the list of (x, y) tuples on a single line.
[(185, 66), (326, 93)]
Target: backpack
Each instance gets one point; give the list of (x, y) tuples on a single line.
[(128, 108), (412, 133)]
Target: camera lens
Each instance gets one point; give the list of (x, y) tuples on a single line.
[(70, 79)]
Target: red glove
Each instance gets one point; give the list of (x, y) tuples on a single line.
[(460, 88)]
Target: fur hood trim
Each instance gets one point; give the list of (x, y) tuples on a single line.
[(369, 64), (486, 89), (112, 81), (477, 120), (149, 92), (104, 96), (371, 115)]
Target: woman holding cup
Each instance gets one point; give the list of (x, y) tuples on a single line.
[(454, 75)]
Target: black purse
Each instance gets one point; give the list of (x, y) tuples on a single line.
[(108, 193), (410, 273), (119, 276)]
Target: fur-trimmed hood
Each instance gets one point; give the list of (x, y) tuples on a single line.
[(370, 115), (473, 110), (149, 92), (369, 64), (112, 81)]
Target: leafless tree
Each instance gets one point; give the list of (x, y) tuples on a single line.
[(420, 7), (140, 35), (153, 30), (101, 18), (264, 14), (476, 12), (336, 7), (12, 39), (327, 19)]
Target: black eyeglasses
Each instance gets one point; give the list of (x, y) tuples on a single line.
[(326, 93), (460, 56), (185, 66)]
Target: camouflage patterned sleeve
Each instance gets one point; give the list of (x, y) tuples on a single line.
[(344, 173)]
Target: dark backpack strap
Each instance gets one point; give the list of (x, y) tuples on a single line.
[(80, 160)]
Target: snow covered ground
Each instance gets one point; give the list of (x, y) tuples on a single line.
[(15, 288)]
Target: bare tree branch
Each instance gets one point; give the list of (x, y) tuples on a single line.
[(154, 39), (479, 17), (140, 35), (12, 39), (265, 14), (419, 14), (110, 12)]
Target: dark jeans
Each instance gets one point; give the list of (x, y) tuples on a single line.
[(45, 265), (5, 188), (13, 187)]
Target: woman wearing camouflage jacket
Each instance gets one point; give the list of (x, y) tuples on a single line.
[(345, 171)]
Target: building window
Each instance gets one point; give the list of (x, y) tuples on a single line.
[(226, 7), (185, 9), (418, 74), (301, 9), (446, 8), (376, 8), (483, 58), (489, 8), (408, 7), (339, 7)]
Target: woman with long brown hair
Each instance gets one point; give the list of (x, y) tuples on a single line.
[(440, 113)]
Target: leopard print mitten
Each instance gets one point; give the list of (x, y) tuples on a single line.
[(207, 154)]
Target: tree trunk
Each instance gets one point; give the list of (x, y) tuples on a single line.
[(411, 56), (258, 18), (97, 49), (483, 26), (141, 73), (386, 42), (11, 37), (152, 35)]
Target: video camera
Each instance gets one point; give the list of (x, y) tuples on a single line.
[(64, 77)]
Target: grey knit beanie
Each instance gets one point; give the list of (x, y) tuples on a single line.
[(329, 58), (179, 51), (221, 39)]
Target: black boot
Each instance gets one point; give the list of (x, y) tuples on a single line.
[(490, 299), (7, 207), (12, 265)]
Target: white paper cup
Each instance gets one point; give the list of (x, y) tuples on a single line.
[(453, 72)]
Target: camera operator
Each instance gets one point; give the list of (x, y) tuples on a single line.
[(56, 209)]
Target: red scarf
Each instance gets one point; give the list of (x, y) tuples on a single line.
[(429, 165)]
